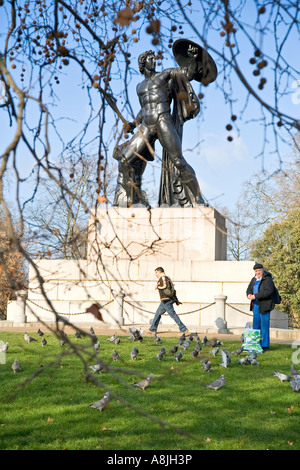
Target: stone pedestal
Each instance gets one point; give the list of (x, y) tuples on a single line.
[(163, 233)]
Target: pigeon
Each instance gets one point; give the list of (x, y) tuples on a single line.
[(101, 404), (62, 342), (198, 346), (191, 337), (116, 340), (97, 368), (144, 383), (206, 366), (160, 356), (4, 348), (244, 360), (43, 342), (181, 339), (28, 338), (134, 353), (174, 349), (16, 367), (96, 346), (195, 352), (186, 344), (162, 350), (217, 384), (204, 341), (253, 362), (39, 332), (178, 356), (205, 360), (112, 338), (115, 355), (212, 343), (293, 371), (282, 377), (92, 332), (295, 384), (77, 335), (214, 352), (157, 339), (136, 334), (239, 351), (226, 359), (253, 355)]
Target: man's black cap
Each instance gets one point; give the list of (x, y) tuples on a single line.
[(258, 266)]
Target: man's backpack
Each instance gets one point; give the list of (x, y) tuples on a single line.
[(276, 296)]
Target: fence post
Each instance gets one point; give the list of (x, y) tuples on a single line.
[(220, 321), (16, 310), (117, 317)]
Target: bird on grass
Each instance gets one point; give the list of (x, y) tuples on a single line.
[(282, 377), (181, 339), (214, 351), (136, 334), (101, 404), (144, 383), (28, 338), (174, 349), (206, 366), (293, 371), (43, 342), (77, 335), (160, 356), (16, 367), (39, 332), (96, 346), (226, 359), (134, 353), (295, 384), (195, 352), (115, 355), (97, 368), (217, 384), (112, 338), (239, 351), (178, 356), (186, 344)]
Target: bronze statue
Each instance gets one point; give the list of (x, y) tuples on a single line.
[(179, 185)]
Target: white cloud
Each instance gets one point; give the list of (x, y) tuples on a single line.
[(220, 153)]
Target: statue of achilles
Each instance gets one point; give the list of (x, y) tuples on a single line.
[(157, 92)]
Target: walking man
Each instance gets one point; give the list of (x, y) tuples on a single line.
[(168, 297)]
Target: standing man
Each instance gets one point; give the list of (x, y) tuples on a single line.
[(168, 297), (260, 292)]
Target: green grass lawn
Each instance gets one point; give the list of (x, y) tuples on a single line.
[(254, 410)]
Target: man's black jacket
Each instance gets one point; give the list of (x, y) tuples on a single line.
[(265, 293)]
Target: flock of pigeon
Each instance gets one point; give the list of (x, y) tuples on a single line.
[(177, 351)]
